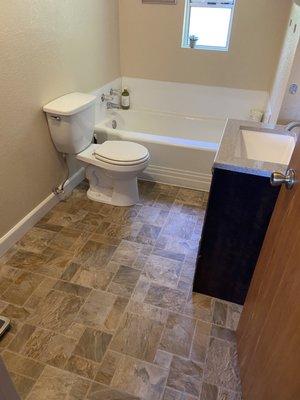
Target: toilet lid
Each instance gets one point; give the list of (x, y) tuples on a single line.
[(119, 151)]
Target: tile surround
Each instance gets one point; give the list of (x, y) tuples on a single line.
[(101, 304)]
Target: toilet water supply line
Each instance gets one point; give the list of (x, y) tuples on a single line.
[(58, 190)]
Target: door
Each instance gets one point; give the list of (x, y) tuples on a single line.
[(269, 330)]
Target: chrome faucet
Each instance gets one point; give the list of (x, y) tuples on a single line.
[(109, 97), (110, 106), (292, 126)]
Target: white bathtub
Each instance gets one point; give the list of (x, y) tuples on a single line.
[(182, 148)]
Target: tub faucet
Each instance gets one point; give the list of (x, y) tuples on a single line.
[(292, 126), (111, 106)]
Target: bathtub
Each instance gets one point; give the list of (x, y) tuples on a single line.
[(182, 148)]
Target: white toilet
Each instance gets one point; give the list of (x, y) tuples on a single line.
[(112, 167)]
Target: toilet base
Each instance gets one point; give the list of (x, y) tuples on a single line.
[(105, 187)]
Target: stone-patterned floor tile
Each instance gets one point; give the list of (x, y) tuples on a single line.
[(72, 288), (140, 379), (93, 277), (141, 289), (22, 365), (49, 347), (40, 293), (96, 309), (21, 338), (233, 316), (69, 240), (179, 225), (36, 240), (200, 306), (56, 312), (148, 311), (172, 394), (51, 263), (190, 196), (165, 297), (124, 281), (22, 384), (222, 365), (220, 313), (21, 289), (168, 254), (178, 335), (163, 271), (94, 254), (148, 234), (55, 384), (128, 231), (138, 337), (148, 215), (209, 392), (127, 252), (82, 366), (223, 333), (229, 395), (92, 281), (27, 260), (7, 277), (113, 319), (66, 219), (185, 376), (93, 345), (101, 392), (108, 367), (200, 342), (163, 359)]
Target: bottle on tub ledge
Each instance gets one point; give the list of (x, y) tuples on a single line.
[(125, 99)]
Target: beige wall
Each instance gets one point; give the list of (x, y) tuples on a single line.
[(151, 45), (48, 48)]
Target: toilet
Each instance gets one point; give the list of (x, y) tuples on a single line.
[(112, 167)]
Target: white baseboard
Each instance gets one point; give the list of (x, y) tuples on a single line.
[(23, 226), (170, 176)]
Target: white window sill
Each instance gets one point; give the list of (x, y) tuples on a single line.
[(206, 48)]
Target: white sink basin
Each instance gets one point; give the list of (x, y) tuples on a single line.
[(270, 147)]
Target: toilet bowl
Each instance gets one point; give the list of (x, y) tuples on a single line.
[(112, 169)]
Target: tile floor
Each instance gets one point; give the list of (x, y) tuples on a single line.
[(101, 304)]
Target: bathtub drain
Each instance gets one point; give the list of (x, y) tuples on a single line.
[(114, 124)]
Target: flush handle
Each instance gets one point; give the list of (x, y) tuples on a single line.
[(55, 117), (278, 179)]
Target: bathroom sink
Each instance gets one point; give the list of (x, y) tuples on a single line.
[(269, 147)]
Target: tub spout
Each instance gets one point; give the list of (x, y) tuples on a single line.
[(111, 105), (292, 126)]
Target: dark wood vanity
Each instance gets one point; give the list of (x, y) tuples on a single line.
[(238, 214)]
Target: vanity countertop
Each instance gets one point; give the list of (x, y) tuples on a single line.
[(230, 156)]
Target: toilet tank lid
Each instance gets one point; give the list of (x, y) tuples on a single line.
[(70, 103)]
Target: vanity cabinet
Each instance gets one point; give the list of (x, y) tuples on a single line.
[(238, 214)]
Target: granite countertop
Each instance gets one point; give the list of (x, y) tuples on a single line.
[(231, 158)]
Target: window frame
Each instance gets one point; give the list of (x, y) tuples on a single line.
[(209, 4)]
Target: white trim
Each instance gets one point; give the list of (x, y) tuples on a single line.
[(177, 177), (23, 226)]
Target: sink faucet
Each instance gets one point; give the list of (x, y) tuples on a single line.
[(292, 126)]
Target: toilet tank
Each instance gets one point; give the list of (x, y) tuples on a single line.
[(71, 120)]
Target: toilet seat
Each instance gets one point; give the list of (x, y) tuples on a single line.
[(118, 152)]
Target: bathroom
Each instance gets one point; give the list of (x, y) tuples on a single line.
[(148, 253)]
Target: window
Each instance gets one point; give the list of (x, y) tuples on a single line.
[(210, 22)]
